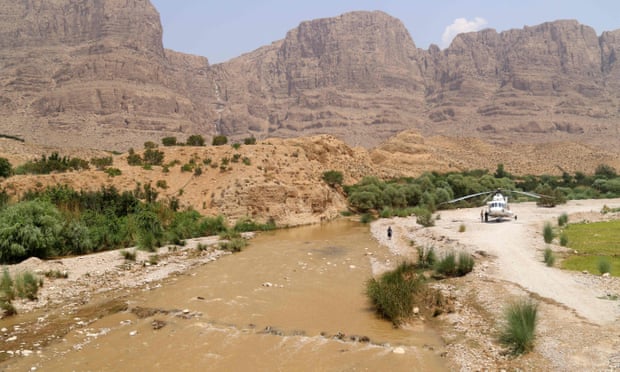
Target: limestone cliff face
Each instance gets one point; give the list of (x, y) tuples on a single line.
[(94, 73)]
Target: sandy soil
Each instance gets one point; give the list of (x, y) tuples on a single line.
[(578, 326)]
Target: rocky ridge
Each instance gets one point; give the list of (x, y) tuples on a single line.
[(95, 74)]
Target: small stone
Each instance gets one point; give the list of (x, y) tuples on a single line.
[(186, 311), (133, 333), (4, 329), (416, 310), (26, 352), (398, 350), (267, 284), (11, 339), (606, 275), (352, 267)]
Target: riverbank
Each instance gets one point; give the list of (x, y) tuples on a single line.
[(509, 266)]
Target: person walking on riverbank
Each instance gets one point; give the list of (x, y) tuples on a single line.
[(389, 232)]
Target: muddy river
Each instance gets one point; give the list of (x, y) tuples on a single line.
[(293, 300)]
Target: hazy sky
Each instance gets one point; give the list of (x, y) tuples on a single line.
[(224, 29)]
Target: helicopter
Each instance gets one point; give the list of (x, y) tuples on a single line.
[(497, 207)]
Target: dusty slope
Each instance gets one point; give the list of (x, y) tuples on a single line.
[(509, 266)]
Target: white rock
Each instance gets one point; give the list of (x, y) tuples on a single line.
[(4, 329), (416, 310), (398, 350), (26, 352), (606, 275), (12, 338), (133, 333), (267, 284), (352, 267), (186, 311)]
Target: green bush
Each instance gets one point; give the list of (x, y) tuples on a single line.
[(424, 217), (234, 245), (563, 239), (27, 285), (128, 255), (548, 257), (548, 233), (366, 218), (333, 177), (113, 172), (563, 219), (392, 294), (152, 156), (447, 265), (518, 332), (169, 141), (249, 141), (219, 140), (603, 265), (465, 264), (426, 257), (195, 140)]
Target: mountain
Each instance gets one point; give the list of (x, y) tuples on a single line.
[(94, 73)]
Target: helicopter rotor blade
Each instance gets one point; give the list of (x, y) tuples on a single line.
[(468, 196), (537, 196)]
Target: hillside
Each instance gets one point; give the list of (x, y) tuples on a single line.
[(95, 74)]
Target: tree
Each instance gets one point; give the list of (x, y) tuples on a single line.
[(605, 171), (195, 140), (5, 168), (332, 177)]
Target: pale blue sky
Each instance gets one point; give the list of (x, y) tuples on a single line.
[(224, 29)]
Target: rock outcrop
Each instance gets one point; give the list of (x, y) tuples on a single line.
[(95, 74)]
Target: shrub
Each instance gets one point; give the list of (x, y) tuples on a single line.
[(236, 145), (219, 140), (392, 294), (133, 158), (548, 257), (447, 265), (195, 140), (27, 285), (333, 177), (462, 228), (249, 141), (366, 218), (102, 163), (128, 255), (603, 265), (169, 141), (465, 264), (246, 160), (6, 286), (162, 184), (426, 257), (113, 172), (56, 274), (424, 217), (563, 219), (6, 169), (548, 233), (518, 331), (563, 239), (234, 245)]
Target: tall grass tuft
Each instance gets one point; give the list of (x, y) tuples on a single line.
[(548, 233), (465, 264), (563, 239), (563, 219), (604, 266), (518, 332), (447, 265), (27, 285), (426, 257), (392, 293), (548, 257)]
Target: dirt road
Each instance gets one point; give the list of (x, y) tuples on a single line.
[(510, 263)]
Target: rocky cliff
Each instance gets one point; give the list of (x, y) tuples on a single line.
[(94, 73)]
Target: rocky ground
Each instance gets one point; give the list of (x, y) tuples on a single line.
[(578, 327)]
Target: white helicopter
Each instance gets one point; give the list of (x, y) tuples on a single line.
[(497, 207)]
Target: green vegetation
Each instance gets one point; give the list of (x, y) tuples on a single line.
[(548, 257), (333, 177), (219, 140), (548, 233), (195, 140), (53, 163), (24, 285), (392, 294), (249, 141), (169, 141), (563, 219), (518, 332), (595, 243), (6, 170)]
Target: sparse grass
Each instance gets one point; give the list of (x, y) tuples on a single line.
[(234, 245), (27, 285), (462, 228), (518, 332), (128, 255), (548, 257), (153, 259), (56, 274), (202, 247), (392, 293), (548, 233), (366, 218)]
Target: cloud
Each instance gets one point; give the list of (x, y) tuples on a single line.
[(459, 26)]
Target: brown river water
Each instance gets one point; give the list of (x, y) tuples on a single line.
[(293, 300)]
